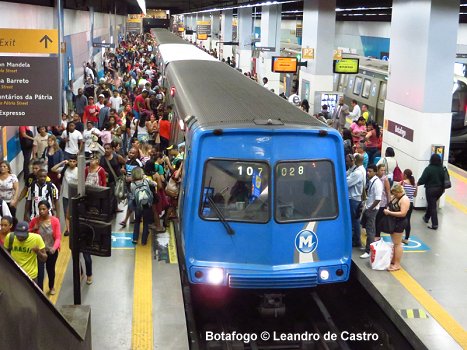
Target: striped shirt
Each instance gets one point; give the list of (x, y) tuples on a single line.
[(409, 190)]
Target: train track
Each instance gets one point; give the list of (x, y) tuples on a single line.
[(340, 316)]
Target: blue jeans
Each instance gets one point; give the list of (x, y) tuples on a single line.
[(88, 264), (372, 153), (49, 264), (147, 216), (356, 241)]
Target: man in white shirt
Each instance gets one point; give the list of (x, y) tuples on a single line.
[(89, 72), (73, 139), (100, 102), (294, 98), (375, 191), (356, 183), (356, 112), (265, 82), (116, 101)]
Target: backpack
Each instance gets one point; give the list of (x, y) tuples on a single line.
[(397, 174), (143, 196)]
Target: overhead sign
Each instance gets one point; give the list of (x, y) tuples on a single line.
[(265, 48), (203, 29), (298, 30), (29, 41), (308, 53), (346, 66), (29, 90), (284, 64), (104, 45), (337, 55)]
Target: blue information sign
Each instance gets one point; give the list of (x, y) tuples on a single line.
[(415, 244), (122, 240)]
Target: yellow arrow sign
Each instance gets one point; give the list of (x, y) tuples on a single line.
[(29, 41)]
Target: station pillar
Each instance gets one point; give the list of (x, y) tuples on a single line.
[(226, 34), (417, 112), (215, 24), (270, 38), (245, 23), (318, 32)]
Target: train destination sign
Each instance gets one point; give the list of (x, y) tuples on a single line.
[(29, 90), (346, 66), (29, 41), (283, 64)]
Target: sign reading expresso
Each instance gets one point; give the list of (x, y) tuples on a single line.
[(28, 90), (346, 66)]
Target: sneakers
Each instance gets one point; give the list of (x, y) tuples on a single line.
[(425, 219), (433, 227), (364, 256), (89, 280), (405, 241), (52, 291)]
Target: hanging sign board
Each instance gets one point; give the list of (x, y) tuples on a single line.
[(346, 66), (284, 64), (29, 94)]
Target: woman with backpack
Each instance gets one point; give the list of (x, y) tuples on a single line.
[(143, 200)]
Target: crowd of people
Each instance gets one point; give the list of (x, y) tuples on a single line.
[(125, 138), (381, 196)]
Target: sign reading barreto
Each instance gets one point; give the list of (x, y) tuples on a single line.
[(29, 90)]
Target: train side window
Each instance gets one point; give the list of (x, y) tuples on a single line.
[(305, 191), (357, 88), (239, 190), (366, 88), (382, 93)]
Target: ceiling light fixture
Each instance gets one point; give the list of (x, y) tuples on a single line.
[(142, 5)]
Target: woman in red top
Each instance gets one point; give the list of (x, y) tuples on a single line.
[(95, 175), (48, 227), (164, 131), (372, 140)]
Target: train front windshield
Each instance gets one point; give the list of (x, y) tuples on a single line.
[(305, 191), (238, 190)]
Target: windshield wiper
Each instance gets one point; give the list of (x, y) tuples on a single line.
[(221, 216)]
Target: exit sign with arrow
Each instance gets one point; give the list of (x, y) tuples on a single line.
[(42, 41)]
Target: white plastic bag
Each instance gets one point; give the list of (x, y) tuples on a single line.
[(381, 254)]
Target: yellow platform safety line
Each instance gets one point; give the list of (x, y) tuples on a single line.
[(457, 176), (446, 321), (456, 204), (142, 332), (63, 259), (172, 245)]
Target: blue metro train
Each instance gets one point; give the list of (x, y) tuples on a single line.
[(263, 201)]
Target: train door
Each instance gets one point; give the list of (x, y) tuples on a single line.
[(379, 117)]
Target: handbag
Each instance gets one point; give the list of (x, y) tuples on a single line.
[(387, 224), (172, 188), (381, 254), (120, 185), (447, 179)]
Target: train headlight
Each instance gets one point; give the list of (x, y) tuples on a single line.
[(324, 275), (215, 275)]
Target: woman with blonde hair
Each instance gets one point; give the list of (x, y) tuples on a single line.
[(397, 208)]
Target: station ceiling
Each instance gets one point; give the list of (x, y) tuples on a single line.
[(348, 10)]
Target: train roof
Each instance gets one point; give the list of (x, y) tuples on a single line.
[(183, 52), (163, 36), (217, 95)]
